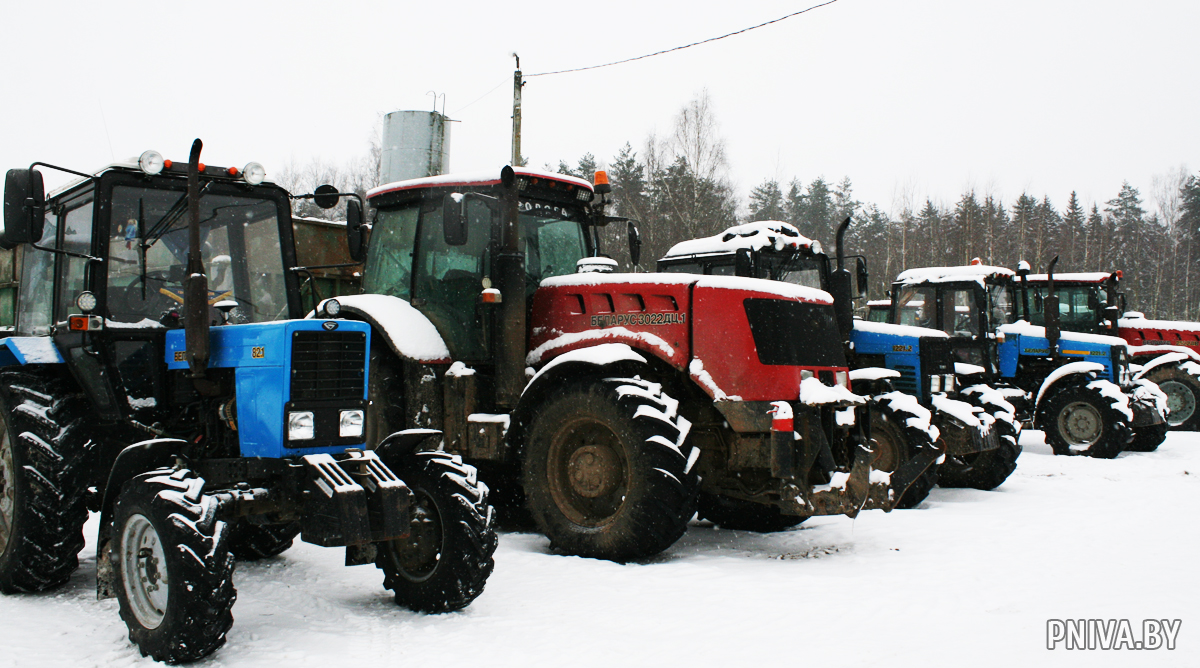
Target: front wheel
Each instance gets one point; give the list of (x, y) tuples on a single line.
[(989, 469), (174, 573), (894, 440), (446, 558), (608, 469), (1079, 420)]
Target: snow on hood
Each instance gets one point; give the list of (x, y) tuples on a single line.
[(479, 178), (873, 373), (959, 410), (1129, 322), (919, 416), (1169, 358), (755, 236), (595, 335), (1023, 328), (813, 393), (977, 272), (1066, 370), (409, 331), (777, 288), (898, 330)]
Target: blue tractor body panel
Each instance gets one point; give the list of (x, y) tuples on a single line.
[(900, 353), (261, 356), (24, 350), (1024, 344)]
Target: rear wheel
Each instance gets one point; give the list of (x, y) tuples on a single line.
[(739, 515), (1078, 420), (445, 560), (1183, 396), (608, 469), (893, 442), (45, 454), (1147, 439), (174, 573), (989, 469)]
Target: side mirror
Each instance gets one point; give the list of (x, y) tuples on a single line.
[(354, 230), (1093, 301), (743, 264), (454, 219), (24, 208), (860, 271), (1037, 301), (635, 243), (325, 196)]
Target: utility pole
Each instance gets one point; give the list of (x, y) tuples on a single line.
[(516, 133)]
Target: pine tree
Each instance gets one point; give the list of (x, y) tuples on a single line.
[(766, 202), (1073, 235)]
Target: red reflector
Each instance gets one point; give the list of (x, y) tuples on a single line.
[(200, 167), (78, 323), (490, 296), (167, 164), (233, 171)]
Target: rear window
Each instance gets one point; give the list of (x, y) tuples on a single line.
[(794, 333)]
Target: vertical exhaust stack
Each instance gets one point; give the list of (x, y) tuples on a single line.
[(510, 265), (1050, 309), (841, 286), (195, 284), (416, 144)]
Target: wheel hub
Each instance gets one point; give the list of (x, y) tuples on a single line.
[(8, 488), (594, 471), (1180, 399), (143, 571), (1080, 423), (418, 555)]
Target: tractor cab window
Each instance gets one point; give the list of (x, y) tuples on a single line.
[(806, 271), (554, 241), (390, 255), (960, 312), (148, 247), (447, 280), (916, 306), (76, 238), (1078, 307), (682, 268), (37, 283), (1003, 308)]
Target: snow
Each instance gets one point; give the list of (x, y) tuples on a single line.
[(144, 323), (1112, 392), (1054, 541), (781, 410), (458, 370), (619, 280), (535, 356), (1142, 323), (1023, 328), (474, 179), (897, 330), (959, 410), (777, 288), (699, 374), (964, 369), (919, 416), (976, 272), (410, 332), (33, 349), (1147, 390), (1066, 370), (873, 373), (1169, 358), (814, 393), (603, 265), (1079, 277), (600, 355), (495, 418), (1141, 351), (754, 236)]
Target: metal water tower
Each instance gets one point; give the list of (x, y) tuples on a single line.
[(415, 144)]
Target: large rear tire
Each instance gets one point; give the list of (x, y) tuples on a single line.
[(1183, 396), (45, 455), (989, 469), (608, 469), (1078, 420), (446, 559), (173, 570), (894, 442)]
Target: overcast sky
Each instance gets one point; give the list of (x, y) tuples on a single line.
[(921, 98)]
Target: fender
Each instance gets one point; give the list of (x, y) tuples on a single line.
[(399, 445), (133, 460), (407, 331), (872, 380), (25, 350), (1174, 358), (1067, 374)]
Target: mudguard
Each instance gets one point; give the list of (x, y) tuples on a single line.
[(1067, 373), (24, 350), (407, 331)]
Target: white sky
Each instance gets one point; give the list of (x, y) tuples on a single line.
[(921, 97)]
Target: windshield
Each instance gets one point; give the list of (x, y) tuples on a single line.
[(554, 240), (915, 306), (806, 271), (147, 253), (1003, 306), (1078, 307)]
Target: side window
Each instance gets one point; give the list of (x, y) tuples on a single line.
[(448, 279), (37, 275), (552, 248), (916, 306), (960, 316), (390, 257), (77, 238)]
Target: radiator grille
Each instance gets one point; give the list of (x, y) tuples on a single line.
[(907, 382), (328, 365)]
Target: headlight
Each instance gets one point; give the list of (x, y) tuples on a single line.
[(331, 307), (935, 383), (86, 302), (816, 247), (948, 384), (254, 173), (151, 162), (350, 425), (843, 378), (300, 426)]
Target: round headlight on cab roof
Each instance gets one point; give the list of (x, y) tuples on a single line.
[(86, 302), (254, 173), (151, 162)]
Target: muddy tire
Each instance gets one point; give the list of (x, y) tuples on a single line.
[(1078, 420), (739, 515), (1147, 439), (251, 542), (45, 456), (608, 469), (895, 442), (1183, 396), (173, 570), (446, 559), (989, 469)]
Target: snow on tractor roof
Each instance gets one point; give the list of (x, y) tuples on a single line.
[(754, 236), (1080, 277), (482, 178), (879, 302), (898, 330), (975, 272)]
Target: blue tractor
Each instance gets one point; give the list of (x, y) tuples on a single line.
[(1076, 387), (161, 373)]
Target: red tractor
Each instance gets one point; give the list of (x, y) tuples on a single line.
[(1167, 350), (612, 405)]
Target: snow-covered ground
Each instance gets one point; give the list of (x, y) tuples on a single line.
[(967, 579)]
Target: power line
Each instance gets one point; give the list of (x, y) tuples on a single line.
[(685, 46)]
